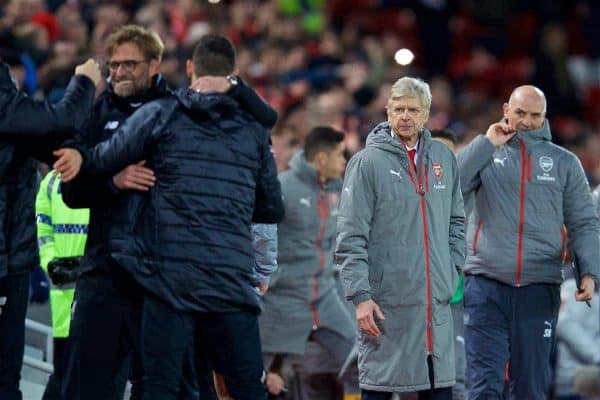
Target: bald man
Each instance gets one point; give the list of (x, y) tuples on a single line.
[(526, 189)]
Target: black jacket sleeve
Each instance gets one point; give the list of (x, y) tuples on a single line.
[(269, 207), (254, 104), (21, 115), (128, 145), (93, 186), (89, 191)]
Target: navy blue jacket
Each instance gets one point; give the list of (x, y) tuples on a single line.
[(107, 204), (110, 207), (189, 243), (30, 130)]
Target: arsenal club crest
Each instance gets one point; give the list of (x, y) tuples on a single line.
[(438, 171)]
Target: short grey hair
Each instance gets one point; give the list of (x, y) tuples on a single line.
[(412, 87)]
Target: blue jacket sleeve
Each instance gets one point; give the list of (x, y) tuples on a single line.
[(269, 207), (264, 241), (128, 145), (22, 115), (254, 104)]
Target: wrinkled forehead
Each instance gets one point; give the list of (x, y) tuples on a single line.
[(126, 51), (404, 101), (528, 103)]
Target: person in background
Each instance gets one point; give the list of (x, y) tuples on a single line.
[(578, 340), (459, 390), (61, 234), (29, 130), (526, 188), (305, 328)]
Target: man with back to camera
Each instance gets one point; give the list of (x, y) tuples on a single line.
[(304, 325), (189, 243), (106, 317), (526, 188), (401, 245), (28, 129)]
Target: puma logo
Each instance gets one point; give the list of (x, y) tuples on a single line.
[(305, 202), (499, 160), (395, 173)]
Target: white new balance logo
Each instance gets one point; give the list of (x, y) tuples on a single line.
[(111, 125)]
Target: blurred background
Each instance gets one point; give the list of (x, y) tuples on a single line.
[(332, 62)]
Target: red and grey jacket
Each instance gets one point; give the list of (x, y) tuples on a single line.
[(400, 242), (525, 191), (303, 295)]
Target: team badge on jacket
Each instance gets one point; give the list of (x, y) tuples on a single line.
[(438, 171)]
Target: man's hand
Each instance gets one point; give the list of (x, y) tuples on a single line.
[(2, 302), (262, 288), (366, 312), (500, 133), (68, 163), (586, 289), (220, 388), (91, 69), (135, 177), (586, 381), (207, 84), (275, 384)]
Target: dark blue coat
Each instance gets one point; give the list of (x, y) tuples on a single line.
[(110, 207), (107, 204), (189, 243), (30, 130)]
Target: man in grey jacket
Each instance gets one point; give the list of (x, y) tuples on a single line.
[(304, 323), (401, 244), (525, 189)]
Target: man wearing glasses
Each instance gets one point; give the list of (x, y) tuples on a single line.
[(107, 304)]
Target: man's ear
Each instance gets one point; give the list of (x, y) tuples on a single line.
[(189, 69), (505, 108)]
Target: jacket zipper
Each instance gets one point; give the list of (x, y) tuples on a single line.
[(417, 182), (476, 238), (525, 174), (323, 210), (564, 254)]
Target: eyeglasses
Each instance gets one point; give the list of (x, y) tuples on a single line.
[(128, 65)]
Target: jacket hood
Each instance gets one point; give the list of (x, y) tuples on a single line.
[(381, 137), (216, 105), (308, 173)]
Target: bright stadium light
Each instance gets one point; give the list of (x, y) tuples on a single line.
[(404, 56), (214, 1)]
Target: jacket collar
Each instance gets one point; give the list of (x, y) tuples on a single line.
[(308, 173)]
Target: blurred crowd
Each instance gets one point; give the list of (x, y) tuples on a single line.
[(331, 62)]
